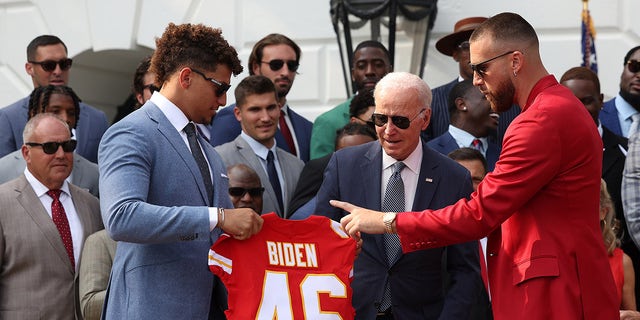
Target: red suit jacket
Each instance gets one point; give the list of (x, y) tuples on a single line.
[(545, 254)]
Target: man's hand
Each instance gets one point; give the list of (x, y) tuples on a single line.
[(241, 223), (629, 315), (359, 220)]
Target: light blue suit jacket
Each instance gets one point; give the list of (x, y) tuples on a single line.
[(92, 124), (154, 203)]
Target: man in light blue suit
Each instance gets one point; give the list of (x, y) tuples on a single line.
[(164, 187), (47, 64), (616, 114), (362, 175), (472, 122), (276, 57)]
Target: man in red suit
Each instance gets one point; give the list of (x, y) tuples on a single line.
[(539, 207)]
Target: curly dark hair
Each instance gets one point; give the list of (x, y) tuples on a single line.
[(39, 99), (192, 45)]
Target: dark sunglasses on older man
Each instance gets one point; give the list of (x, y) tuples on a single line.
[(52, 147), (633, 66), (398, 121), (277, 64), (240, 192), (50, 65)]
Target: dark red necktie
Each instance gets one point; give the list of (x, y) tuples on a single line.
[(60, 219), (483, 268), (286, 133)]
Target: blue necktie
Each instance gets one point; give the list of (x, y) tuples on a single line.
[(273, 179), (393, 202)]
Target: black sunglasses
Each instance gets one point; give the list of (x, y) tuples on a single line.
[(52, 147), (151, 88), (222, 87), (240, 192), (50, 65), (464, 45), (277, 64), (633, 66), (398, 121), (481, 68)]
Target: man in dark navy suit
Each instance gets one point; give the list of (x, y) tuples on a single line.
[(386, 283), (277, 58)]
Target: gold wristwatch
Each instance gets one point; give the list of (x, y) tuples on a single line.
[(388, 218)]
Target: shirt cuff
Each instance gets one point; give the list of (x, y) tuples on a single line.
[(213, 218)]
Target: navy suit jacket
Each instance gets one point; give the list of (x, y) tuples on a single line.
[(609, 117), (92, 123), (446, 143), (154, 203), (353, 175), (225, 128), (440, 117)]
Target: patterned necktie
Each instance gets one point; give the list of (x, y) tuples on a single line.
[(60, 219), (477, 144), (634, 125), (273, 179), (393, 202), (286, 133), (189, 129)]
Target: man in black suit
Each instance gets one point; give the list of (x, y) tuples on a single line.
[(399, 170), (585, 85)]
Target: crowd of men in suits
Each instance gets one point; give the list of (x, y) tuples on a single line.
[(175, 173)]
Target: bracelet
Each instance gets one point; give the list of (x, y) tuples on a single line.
[(220, 217)]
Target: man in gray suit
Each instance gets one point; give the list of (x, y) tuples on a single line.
[(64, 103), (164, 187), (258, 112), (45, 221)]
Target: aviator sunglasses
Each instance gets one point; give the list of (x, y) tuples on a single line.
[(50, 65), (222, 87), (633, 66), (398, 121), (481, 68), (277, 64), (52, 147), (240, 192)]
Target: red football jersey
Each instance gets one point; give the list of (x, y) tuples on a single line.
[(291, 269)]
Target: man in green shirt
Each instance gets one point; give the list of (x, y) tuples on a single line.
[(370, 63)]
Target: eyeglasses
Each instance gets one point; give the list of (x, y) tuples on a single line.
[(222, 87), (398, 121), (240, 192), (481, 67), (633, 66), (277, 64), (368, 122), (52, 147), (50, 65), (152, 87)]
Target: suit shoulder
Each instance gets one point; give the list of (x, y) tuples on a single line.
[(289, 158)]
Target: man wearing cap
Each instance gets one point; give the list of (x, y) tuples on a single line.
[(456, 45)]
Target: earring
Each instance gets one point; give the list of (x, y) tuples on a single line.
[(514, 73), (464, 108)]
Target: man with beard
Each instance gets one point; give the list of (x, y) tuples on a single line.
[(539, 207), (471, 124), (456, 45), (277, 58), (371, 62), (617, 113)]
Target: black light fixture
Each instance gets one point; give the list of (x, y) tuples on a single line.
[(414, 17)]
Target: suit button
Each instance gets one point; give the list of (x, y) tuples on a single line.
[(491, 254), (412, 245)]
